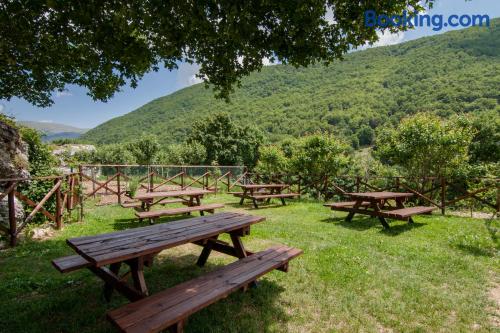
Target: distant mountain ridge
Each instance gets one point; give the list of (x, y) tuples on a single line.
[(455, 72), (53, 131)]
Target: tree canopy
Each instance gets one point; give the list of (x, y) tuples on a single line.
[(104, 45)]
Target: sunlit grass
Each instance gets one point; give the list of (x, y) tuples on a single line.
[(433, 276)]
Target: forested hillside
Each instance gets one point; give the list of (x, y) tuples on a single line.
[(456, 72)]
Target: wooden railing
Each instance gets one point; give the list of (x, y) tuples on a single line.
[(436, 191), (65, 189)]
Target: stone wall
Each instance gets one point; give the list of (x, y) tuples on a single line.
[(13, 164)]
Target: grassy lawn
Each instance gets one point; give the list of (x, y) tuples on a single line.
[(433, 276)]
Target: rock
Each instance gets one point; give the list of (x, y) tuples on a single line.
[(13, 164)]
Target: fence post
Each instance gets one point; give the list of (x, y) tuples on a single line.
[(119, 190), (151, 179), (93, 179), (358, 182), (12, 217), (398, 184), (182, 177), (298, 187), (80, 189), (443, 195), (228, 182), (58, 214), (498, 196)]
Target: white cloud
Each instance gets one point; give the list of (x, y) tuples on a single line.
[(193, 79), (388, 38), (63, 93), (46, 121)]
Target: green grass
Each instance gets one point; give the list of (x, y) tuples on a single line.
[(433, 276)]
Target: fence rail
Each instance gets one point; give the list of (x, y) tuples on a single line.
[(64, 189), (66, 192)]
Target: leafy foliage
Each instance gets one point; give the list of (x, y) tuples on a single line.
[(372, 88), (144, 149), (225, 141), (425, 145), (113, 154), (272, 160), (102, 45)]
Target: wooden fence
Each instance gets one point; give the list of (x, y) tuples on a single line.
[(117, 181), (69, 191), (436, 191), (63, 188)]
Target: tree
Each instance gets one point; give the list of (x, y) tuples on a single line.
[(185, 154), (365, 135), (104, 45), (226, 142), (272, 160), (426, 145), (144, 149), (112, 154), (318, 156)]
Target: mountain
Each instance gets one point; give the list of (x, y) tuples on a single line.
[(53, 131), (455, 72)]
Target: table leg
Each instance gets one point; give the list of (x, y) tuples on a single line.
[(243, 196), (115, 282), (108, 287), (351, 214), (137, 271), (382, 220), (205, 253), (238, 246)]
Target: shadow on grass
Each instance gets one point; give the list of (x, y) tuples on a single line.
[(37, 298), (365, 223), (249, 206)]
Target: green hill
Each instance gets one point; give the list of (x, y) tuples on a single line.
[(455, 72), (52, 131)]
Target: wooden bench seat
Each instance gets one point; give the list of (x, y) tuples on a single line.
[(170, 308), (138, 204), (408, 212), (70, 263), (176, 211), (270, 196), (345, 204)]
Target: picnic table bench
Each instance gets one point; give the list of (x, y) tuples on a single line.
[(136, 248), (193, 203), (260, 192), (377, 204)]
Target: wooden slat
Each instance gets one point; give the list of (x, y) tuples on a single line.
[(168, 307), (379, 195), (407, 212), (152, 244), (70, 263), (166, 194), (268, 196), (177, 211), (123, 245), (345, 204)]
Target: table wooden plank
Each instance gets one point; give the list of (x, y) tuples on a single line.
[(169, 194), (379, 195), (124, 245), (257, 186), (165, 226)]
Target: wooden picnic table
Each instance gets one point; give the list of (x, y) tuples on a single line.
[(259, 192), (137, 248), (377, 204), (149, 199)]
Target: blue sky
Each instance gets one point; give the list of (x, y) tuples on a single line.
[(74, 107)]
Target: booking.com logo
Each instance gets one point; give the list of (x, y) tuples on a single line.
[(436, 21)]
